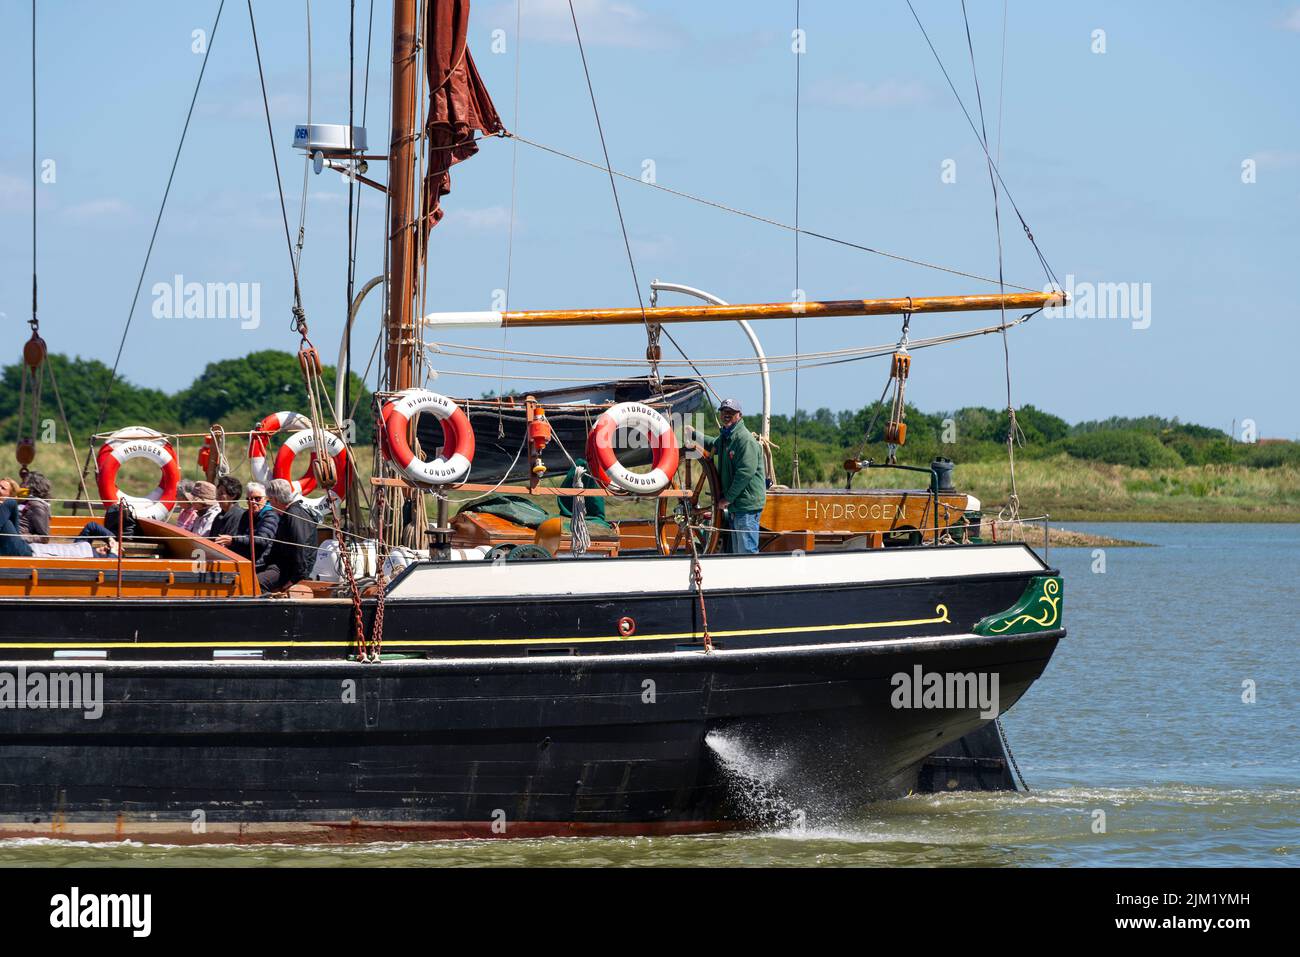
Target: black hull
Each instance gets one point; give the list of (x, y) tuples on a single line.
[(791, 713)]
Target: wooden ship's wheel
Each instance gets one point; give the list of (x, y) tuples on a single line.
[(700, 476)]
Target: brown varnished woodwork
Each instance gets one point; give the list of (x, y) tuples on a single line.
[(472, 529), (830, 513), (177, 551), (785, 310)]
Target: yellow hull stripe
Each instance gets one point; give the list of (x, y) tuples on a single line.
[(941, 617)]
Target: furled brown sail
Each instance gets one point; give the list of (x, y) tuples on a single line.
[(459, 104)]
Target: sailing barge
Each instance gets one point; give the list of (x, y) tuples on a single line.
[(563, 694)]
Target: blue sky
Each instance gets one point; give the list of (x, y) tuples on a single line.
[(1127, 164)]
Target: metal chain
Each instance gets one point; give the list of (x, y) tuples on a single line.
[(697, 575), (1006, 746), (345, 559)]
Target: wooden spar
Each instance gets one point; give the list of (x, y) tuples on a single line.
[(403, 218), (762, 310)]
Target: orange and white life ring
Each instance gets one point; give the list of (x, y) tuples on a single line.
[(335, 448), (259, 447), (134, 443), (457, 452), (604, 463), (259, 440)]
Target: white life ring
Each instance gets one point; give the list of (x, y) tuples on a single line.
[(134, 443), (605, 464), (457, 453)]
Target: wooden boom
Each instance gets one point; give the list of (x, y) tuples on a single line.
[(761, 310)]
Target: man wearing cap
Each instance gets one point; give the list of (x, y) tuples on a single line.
[(743, 479)]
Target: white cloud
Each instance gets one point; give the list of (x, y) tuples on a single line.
[(860, 95), (15, 192), (1292, 21), (1277, 159), (658, 247), (483, 219), (610, 23), (104, 208)]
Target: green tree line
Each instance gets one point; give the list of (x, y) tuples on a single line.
[(236, 393), (976, 434)]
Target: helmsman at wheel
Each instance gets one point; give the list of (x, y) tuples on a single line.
[(742, 478)]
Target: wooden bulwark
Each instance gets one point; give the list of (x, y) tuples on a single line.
[(161, 561)]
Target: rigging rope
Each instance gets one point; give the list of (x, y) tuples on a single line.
[(300, 318), (108, 388), (984, 144), (613, 185), (763, 219), (514, 200), (798, 62), (306, 160), (35, 322), (832, 358), (1012, 426)]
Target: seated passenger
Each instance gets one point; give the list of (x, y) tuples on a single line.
[(34, 517), (33, 505), (108, 528), (189, 506), (265, 522), (204, 499), (292, 553), (231, 518), (14, 545)]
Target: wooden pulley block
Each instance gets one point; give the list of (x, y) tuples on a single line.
[(902, 365), (896, 433), (309, 360), (34, 352), (322, 467)]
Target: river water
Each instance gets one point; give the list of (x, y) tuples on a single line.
[(1137, 745)]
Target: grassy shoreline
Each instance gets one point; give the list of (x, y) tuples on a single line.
[(1073, 490)]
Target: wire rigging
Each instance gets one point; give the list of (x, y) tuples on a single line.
[(1013, 427), (299, 316), (703, 201), (35, 322), (1051, 275), (112, 378), (800, 47), (514, 200), (613, 185)]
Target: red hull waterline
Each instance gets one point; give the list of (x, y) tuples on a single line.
[(354, 832)]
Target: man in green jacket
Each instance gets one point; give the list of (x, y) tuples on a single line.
[(743, 478)]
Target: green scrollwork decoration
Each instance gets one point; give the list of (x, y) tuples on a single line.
[(1038, 609)]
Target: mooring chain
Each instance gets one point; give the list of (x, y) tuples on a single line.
[(345, 560), (697, 575)]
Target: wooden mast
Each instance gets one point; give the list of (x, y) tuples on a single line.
[(403, 218), (763, 310)]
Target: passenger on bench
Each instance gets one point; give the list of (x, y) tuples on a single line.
[(265, 522), (231, 518)]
